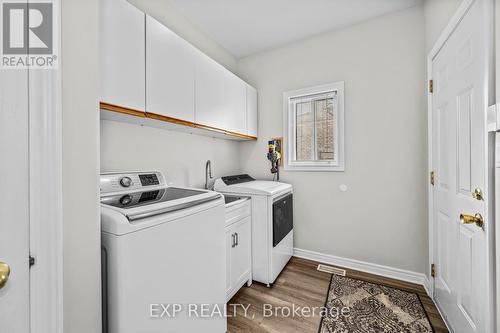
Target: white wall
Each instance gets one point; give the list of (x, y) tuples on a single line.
[(180, 156), (165, 12), (437, 15), (382, 218), (82, 250)]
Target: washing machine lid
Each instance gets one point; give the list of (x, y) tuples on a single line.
[(244, 184), (148, 197), (135, 200), (121, 221), (142, 204)]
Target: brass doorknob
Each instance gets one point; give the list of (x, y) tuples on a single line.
[(469, 219), (4, 274)]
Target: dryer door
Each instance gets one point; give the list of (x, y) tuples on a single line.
[(282, 218)]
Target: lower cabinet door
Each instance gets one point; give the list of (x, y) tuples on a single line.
[(229, 248), (241, 257)]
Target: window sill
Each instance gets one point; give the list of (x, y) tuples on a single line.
[(315, 168)]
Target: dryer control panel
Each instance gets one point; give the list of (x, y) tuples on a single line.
[(237, 179)]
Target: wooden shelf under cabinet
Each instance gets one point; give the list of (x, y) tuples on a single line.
[(197, 128)]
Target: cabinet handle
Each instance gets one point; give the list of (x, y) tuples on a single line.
[(237, 239), (233, 240)]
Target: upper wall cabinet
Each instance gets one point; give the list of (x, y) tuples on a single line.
[(170, 73), (220, 97), (151, 76), (122, 54), (252, 118)]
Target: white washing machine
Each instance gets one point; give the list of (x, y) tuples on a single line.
[(163, 248), (272, 222)]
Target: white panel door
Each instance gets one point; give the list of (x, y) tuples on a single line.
[(220, 97), (170, 72), (14, 199), (252, 115), (459, 103), (122, 60)]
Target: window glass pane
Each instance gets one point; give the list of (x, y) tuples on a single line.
[(315, 128), (304, 131), (325, 127)]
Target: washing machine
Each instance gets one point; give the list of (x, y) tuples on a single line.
[(163, 256)]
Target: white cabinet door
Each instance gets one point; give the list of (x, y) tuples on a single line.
[(220, 97), (210, 89), (241, 260), (236, 104), (170, 72), (229, 248), (122, 57), (252, 117)]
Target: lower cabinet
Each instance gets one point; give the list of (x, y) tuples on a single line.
[(238, 255)]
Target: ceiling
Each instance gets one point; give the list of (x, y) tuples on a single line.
[(245, 27)]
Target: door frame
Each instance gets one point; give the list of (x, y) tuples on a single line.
[(445, 35), (45, 188)]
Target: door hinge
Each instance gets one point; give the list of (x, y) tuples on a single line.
[(493, 117), (433, 178), (31, 261), (433, 270), (431, 86)]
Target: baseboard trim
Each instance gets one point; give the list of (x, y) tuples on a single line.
[(386, 271), (428, 287)]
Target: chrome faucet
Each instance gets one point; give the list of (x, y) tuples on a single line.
[(208, 173)]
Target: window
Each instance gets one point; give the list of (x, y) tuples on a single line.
[(314, 128)]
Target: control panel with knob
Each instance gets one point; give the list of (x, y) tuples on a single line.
[(126, 200), (125, 181), (130, 181)]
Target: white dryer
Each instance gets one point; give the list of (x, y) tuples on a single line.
[(162, 247), (272, 222)]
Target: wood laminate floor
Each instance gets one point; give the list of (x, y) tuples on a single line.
[(300, 284)]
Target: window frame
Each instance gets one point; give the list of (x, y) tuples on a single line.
[(289, 126)]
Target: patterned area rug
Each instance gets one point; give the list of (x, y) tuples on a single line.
[(358, 306)]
